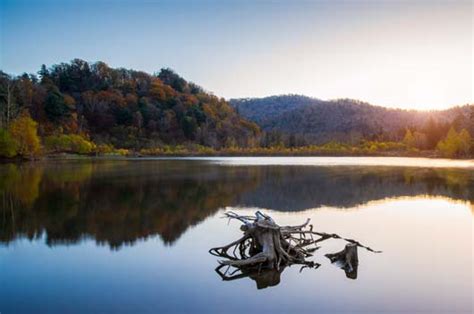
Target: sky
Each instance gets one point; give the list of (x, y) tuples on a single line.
[(414, 54)]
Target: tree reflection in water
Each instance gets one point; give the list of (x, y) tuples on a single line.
[(119, 202)]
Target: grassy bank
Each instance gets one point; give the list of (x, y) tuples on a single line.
[(177, 151), (21, 142)]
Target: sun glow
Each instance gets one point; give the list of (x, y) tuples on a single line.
[(407, 54), (396, 62)]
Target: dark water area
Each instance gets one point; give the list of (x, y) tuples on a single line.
[(133, 236)]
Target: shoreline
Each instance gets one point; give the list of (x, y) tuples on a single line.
[(72, 156)]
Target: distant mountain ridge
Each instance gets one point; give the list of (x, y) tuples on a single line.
[(342, 119)]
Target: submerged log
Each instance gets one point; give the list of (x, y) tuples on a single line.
[(268, 246), (346, 259)]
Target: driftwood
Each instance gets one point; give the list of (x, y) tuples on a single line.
[(266, 248)]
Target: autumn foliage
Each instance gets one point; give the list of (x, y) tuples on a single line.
[(21, 138), (85, 108), (74, 103)]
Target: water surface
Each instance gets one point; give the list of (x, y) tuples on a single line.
[(133, 235)]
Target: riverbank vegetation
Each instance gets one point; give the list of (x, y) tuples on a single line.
[(92, 109)]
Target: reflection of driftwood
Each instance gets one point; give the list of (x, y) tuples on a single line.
[(267, 246), (347, 259), (263, 277)]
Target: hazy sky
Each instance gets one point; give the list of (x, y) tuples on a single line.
[(409, 54)]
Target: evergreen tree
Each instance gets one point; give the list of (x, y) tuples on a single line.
[(55, 105)]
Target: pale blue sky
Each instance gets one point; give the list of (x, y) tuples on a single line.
[(410, 54)]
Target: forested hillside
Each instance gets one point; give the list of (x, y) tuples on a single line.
[(315, 121), (88, 105), (85, 108)]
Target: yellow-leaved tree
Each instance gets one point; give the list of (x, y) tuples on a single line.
[(23, 130), (409, 140), (455, 144)]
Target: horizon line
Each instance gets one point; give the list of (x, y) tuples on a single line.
[(153, 73)]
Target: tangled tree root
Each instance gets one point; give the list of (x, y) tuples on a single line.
[(267, 248)]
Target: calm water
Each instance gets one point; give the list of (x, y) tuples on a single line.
[(133, 235)]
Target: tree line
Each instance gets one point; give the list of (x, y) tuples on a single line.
[(295, 121), (449, 139)]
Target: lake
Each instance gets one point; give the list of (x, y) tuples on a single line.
[(133, 236)]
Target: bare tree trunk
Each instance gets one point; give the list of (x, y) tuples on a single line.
[(9, 99)]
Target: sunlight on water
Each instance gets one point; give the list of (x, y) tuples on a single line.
[(133, 236), (341, 161), (426, 260)]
